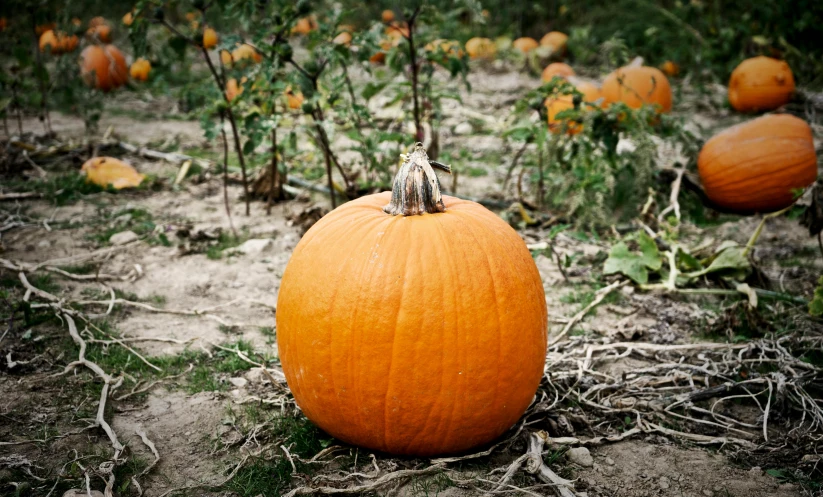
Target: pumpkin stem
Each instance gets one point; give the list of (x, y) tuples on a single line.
[(416, 189)]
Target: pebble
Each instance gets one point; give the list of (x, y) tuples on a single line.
[(580, 456), (708, 493), (463, 128), (123, 237), (664, 483), (255, 246), (239, 382), (609, 461)]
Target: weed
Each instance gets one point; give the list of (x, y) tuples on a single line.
[(224, 242)]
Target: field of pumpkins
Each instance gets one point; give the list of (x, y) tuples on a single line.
[(278, 248)]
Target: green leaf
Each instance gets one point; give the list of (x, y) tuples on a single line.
[(622, 260), (651, 255), (816, 304)]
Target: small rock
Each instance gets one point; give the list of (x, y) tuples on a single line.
[(239, 382), (82, 493), (756, 471), (609, 461), (708, 493), (44, 244), (255, 246), (123, 238), (580, 456), (664, 483), (463, 128)]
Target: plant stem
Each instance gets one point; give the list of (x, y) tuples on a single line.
[(416, 188), (414, 70), (274, 171), (226, 174), (44, 111), (540, 183), (756, 234), (17, 107), (514, 164)]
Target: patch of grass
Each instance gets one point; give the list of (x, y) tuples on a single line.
[(476, 172), (269, 333), (88, 268), (430, 486), (61, 189), (225, 241), (140, 221), (797, 477), (261, 477)]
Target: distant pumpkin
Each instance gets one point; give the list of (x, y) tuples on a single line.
[(140, 69), (42, 28), (557, 69), (343, 38), (294, 100), (669, 68), (58, 42), (234, 89), (761, 84), (481, 48), (101, 32), (104, 67), (209, 38), (246, 53), (556, 40), (556, 104), (108, 171), (397, 30), (450, 48), (387, 16), (591, 92), (759, 165), (638, 85), (525, 44), (305, 25), (128, 19)]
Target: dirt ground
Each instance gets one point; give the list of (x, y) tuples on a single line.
[(215, 410)]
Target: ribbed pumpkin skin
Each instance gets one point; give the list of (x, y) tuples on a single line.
[(525, 44), (755, 166), (416, 335), (556, 69), (760, 84), (103, 67), (636, 86)]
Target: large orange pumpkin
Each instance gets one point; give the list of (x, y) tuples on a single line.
[(103, 67), (638, 85), (758, 166), (557, 69), (525, 44), (761, 83), (417, 327), (556, 40), (481, 48), (108, 171)]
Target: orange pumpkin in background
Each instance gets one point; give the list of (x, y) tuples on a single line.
[(638, 85), (101, 32), (669, 68), (481, 48), (140, 69), (294, 100), (343, 38), (246, 52), (525, 44), (128, 19), (304, 26), (397, 30), (760, 84), (3, 23), (556, 104), (758, 166), (556, 40), (556, 69), (111, 172), (234, 89), (412, 334), (209, 38), (387, 16), (590, 91), (104, 67), (58, 42), (42, 28)]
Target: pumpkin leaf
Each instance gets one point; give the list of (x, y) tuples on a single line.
[(634, 265), (730, 259), (816, 304)]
